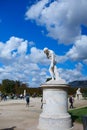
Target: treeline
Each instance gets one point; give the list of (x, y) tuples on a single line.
[(16, 87), (72, 91)]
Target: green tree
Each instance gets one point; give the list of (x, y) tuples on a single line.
[(17, 87), (72, 91), (8, 86)]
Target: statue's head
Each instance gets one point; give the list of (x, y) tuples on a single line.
[(45, 50)]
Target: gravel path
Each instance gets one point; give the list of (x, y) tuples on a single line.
[(14, 115)]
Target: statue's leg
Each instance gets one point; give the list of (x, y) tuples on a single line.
[(51, 72), (56, 73)]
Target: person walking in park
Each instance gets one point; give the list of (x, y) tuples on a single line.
[(71, 100), (27, 100)]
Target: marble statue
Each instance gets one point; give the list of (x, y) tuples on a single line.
[(54, 115), (78, 91), (78, 94), (52, 69)]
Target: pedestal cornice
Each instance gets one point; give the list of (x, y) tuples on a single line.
[(55, 84)]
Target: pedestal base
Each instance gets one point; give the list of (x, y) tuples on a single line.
[(58, 123), (55, 106)]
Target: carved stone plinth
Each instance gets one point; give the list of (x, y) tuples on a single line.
[(55, 106)]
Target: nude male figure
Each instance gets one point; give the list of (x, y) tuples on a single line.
[(52, 69)]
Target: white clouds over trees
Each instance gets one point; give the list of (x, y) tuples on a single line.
[(31, 67), (18, 65), (63, 20)]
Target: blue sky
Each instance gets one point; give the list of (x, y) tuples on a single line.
[(27, 26)]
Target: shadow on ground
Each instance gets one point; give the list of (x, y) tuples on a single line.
[(12, 128), (73, 117)]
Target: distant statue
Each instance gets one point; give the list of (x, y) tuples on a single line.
[(78, 91), (52, 69), (24, 93), (78, 94)]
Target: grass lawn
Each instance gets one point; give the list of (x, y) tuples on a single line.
[(77, 114)]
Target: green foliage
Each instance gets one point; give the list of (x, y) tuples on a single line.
[(16, 87), (35, 91), (84, 92), (77, 114), (72, 91), (12, 87), (8, 86)]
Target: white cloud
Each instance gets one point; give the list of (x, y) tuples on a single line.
[(79, 50), (72, 74), (31, 43), (32, 68), (62, 18), (36, 9), (12, 47), (16, 64), (23, 47), (37, 56)]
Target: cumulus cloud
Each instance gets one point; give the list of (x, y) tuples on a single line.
[(17, 64), (38, 56), (79, 50), (36, 9), (32, 67), (62, 18), (72, 74), (13, 47)]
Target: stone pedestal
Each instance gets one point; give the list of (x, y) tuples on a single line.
[(55, 106), (79, 97)]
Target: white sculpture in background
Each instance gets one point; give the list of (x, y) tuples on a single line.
[(78, 91), (52, 69), (78, 94), (24, 93)]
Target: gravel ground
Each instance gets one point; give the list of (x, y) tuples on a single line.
[(14, 115)]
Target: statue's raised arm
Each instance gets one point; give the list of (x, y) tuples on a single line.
[(52, 69)]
